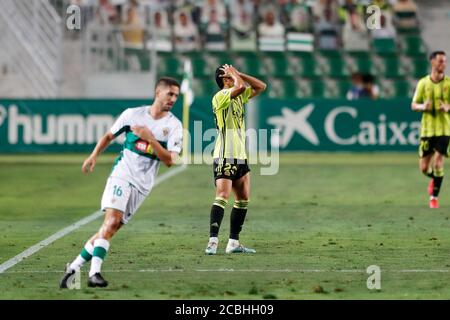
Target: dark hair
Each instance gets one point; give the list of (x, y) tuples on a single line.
[(167, 81), (435, 53), (219, 79), (368, 78)]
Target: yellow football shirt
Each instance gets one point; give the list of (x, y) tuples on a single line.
[(229, 114), (434, 122)]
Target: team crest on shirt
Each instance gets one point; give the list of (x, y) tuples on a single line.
[(165, 131)]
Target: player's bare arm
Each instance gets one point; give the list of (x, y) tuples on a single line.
[(238, 83), (102, 144), (167, 157), (257, 85), (426, 106)]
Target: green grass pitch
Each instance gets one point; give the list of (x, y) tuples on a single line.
[(316, 225)]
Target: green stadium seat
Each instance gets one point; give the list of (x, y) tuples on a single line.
[(413, 46), (278, 66), (343, 86), (140, 55), (420, 67), (314, 89), (252, 66), (290, 88), (336, 67), (363, 63), (170, 66), (200, 68), (309, 67), (204, 87), (392, 68), (384, 46), (402, 89)]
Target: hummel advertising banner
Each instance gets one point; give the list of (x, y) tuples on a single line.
[(288, 125)]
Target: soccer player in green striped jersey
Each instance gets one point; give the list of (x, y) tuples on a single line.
[(231, 171), (432, 98)]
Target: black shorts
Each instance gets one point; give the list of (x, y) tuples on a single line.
[(232, 169), (428, 145)]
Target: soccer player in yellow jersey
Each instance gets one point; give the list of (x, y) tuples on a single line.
[(231, 171), (432, 98)]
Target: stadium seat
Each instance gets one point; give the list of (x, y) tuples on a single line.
[(363, 63), (384, 46), (252, 66), (278, 66), (402, 88), (170, 66), (308, 66), (392, 68), (204, 87), (200, 68), (335, 67), (420, 67), (312, 88), (413, 46), (290, 88)]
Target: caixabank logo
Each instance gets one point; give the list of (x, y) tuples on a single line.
[(344, 127)]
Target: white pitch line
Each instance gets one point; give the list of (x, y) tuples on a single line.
[(245, 270), (61, 233)]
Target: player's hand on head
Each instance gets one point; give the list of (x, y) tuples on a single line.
[(143, 132)]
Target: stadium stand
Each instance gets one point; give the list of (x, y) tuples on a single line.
[(312, 46)]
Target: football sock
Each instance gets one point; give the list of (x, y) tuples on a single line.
[(438, 177), (237, 218), (101, 246), (216, 216), (430, 173), (85, 255)]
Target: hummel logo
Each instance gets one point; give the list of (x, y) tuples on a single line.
[(291, 122)]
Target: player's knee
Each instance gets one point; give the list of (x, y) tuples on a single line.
[(223, 194)]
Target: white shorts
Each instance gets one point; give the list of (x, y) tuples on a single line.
[(121, 195)]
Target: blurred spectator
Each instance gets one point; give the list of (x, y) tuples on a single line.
[(354, 35), (355, 90), (327, 31), (240, 8), (185, 33), (369, 88), (321, 5), (106, 13), (133, 28), (243, 35), (270, 27), (298, 16), (387, 30), (161, 31), (405, 13), (215, 33), (218, 6)]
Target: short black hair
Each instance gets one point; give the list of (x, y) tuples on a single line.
[(435, 53), (219, 79), (167, 81), (368, 78)]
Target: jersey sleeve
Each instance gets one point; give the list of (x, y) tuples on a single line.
[(221, 99), (122, 123), (419, 93), (175, 140)]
